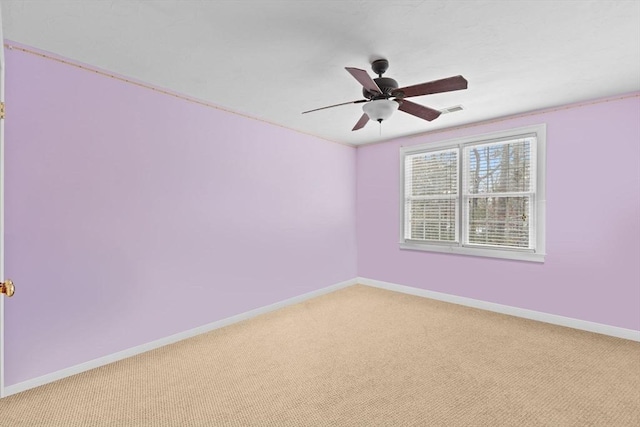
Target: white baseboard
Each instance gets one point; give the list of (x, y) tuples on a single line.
[(101, 361), (584, 325)]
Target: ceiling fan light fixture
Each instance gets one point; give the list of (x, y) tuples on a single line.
[(380, 109)]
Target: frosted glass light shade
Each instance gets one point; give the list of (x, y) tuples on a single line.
[(380, 109)]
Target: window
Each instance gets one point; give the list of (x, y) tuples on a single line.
[(476, 196)]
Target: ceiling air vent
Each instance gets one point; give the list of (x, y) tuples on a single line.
[(452, 109)]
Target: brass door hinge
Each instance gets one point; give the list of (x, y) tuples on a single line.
[(1, 110)]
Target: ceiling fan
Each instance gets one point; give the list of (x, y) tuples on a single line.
[(378, 92)]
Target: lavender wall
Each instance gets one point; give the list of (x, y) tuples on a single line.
[(592, 270), (133, 215)]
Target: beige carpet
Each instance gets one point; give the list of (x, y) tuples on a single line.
[(360, 356)]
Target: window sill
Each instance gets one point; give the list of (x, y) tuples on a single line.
[(487, 253)]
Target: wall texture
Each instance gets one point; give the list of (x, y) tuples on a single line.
[(592, 270), (132, 215)]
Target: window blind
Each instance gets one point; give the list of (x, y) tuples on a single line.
[(431, 196)]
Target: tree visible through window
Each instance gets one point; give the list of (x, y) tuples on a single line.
[(475, 195)]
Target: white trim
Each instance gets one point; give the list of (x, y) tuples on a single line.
[(468, 250), (101, 361), (476, 139), (584, 325)]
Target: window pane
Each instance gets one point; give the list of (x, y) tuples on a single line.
[(499, 168), (432, 219), (431, 189), (499, 221), (433, 173)]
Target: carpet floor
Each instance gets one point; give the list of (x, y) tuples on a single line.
[(360, 356)]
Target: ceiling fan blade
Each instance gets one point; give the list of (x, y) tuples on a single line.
[(336, 105), (418, 110), (437, 86), (363, 121), (364, 79)]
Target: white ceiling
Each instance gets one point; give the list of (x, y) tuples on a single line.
[(274, 59)]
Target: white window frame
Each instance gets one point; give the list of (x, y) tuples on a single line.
[(537, 254)]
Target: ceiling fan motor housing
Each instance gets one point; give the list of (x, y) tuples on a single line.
[(386, 84)]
